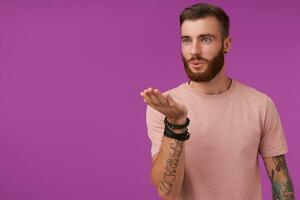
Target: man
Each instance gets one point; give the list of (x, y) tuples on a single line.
[(207, 133)]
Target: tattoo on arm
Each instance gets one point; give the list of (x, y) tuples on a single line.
[(280, 165), (282, 187), (169, 176)]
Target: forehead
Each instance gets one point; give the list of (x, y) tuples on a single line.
[(207, 25)]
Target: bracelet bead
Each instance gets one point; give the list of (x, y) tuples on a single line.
[(181, 137), (175, 126)]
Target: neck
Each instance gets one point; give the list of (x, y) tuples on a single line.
[(217, 85)]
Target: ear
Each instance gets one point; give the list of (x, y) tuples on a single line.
[(227, 44)]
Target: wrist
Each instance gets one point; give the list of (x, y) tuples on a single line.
[(178, 126), (179, 131), (179, 121), (175, 134)]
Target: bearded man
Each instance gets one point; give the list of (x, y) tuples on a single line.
[(207, 133)]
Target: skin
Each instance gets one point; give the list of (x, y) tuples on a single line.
[(168, 164), (282, 186), (201, 41), (202, 38)]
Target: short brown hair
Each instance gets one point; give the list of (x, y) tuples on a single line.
[(202, 10)]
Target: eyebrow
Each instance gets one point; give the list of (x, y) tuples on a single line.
[(199, 36)]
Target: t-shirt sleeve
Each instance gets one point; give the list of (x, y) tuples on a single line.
[(155, 128), (272, 141)]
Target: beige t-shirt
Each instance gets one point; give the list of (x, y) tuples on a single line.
[(228, 131)]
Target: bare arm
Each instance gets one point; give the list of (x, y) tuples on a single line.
[(168, 164), (168, 168), (282, 186)]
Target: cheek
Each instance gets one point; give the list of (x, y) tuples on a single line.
[(185, 52), (210, 52), (209, 49)]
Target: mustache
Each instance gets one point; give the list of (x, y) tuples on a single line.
[(197, 58)]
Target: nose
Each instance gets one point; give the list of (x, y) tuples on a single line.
[(195, 48)]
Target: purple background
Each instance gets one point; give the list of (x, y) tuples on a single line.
[(72, 123)]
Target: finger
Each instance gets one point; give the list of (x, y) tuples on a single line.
[(170, 100), (160, 97), (143, 94), (147, 97), (153, 96)]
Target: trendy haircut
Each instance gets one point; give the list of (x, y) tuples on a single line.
[(202, 10)]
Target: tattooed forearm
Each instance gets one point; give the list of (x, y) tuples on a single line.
[(169, 176), (283, 191), (282, 186), (279, 166)]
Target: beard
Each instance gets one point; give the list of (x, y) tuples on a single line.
[(214, 66)]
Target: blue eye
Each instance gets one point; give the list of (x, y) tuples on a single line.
[(206, 40), (186, 41)]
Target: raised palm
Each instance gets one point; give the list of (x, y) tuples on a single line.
[(165, 104)]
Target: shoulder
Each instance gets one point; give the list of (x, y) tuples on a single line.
[(252, 94)]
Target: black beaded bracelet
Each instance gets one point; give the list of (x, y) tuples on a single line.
[(181, 137), (174, 126)]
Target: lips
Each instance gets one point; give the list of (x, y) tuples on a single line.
[(197, 65), (197, 62)]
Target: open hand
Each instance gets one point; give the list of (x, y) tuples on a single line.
[(165, 104)]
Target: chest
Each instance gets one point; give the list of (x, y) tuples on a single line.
[(220, 131)]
